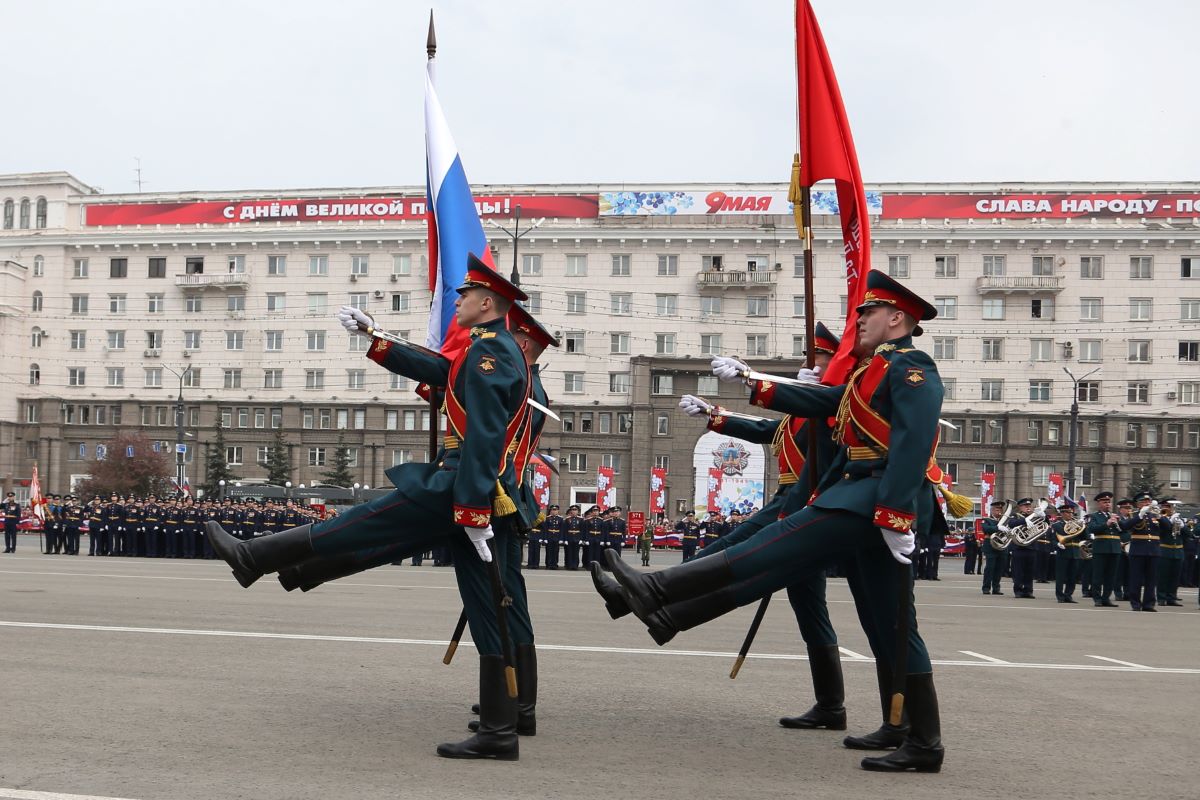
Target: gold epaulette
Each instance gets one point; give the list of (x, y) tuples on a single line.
[(450, 441), (787, 479)]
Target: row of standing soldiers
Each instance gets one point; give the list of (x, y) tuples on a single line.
[(154, 528), (582, 539)]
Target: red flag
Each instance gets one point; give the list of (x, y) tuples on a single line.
[(606, 493), (715, 477), (827, 151), (541, 482), (37, 503), (987, 491), (1054, 488)]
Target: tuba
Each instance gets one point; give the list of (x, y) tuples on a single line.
[(1001, 539), (1025, 535)]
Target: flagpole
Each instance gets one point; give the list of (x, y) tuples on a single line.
[(435, 421)]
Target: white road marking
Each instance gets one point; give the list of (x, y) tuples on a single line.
[(1122, 663), (23, 794), (982, 657), (850, 653), (1119, 667)]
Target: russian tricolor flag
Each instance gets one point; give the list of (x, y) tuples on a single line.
[(454, 226)]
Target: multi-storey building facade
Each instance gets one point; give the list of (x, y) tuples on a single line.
[(113, 306)]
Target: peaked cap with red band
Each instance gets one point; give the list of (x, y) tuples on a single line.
[(521, 321), (884, 290), (824, 341), (481, 276)]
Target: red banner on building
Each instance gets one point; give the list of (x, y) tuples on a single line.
[(1053, 206), (606, 492), (987, 492), (327, 209), (715, 476), (1054, 489), (658, 492)]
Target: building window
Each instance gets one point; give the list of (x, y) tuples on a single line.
[(1035, 431), (154, 303), (232, 378), (621, 303), (993, 308), (154, 340), (193, 265), (898, 266), (1173, 435), (707, 385), (573, 382), (78, 340), (116, 377), (1189, 351), (949, 386), (1141, 267), (945, 266), (1179, 478), (1053, 433), (1043, 265), (39, 266), (1039, 391), (798, 305), (36, 336), (314, 379), (1137, 392), (756, 344), (401, 264), (993, 350), (356, 378), (798, 266), (1041, 308), (618, 343), (80, 268), (947, 307), (1091, 309), (662, 424), (576, 266), (624, 422), (710, 306), (945, 348), (667, 265), (272, 378), (360, 265), (116, 303), (664, 344), (24, 220), (710, 344), (573, 342), (798, 347), (1041, 475), (9, 208), (1139, 351), (1088, 392), (1041, 349), (35, 375), (116, 340), (661, 384), (577, 462), (153, 377), (317, 302), (318, 265), (756, 307), (276, 302), (531, 264), (38, 302), (40, 221), (1189, 267), (236, 303), (277, 265), (666, 305), (1090, 350), (618, 382), (273, 340), (995, 266), (1189, 393), (118, 267), (576, 302), (76, 376), (991, 389), (1140, 309), (191, 378), (316, 456), (712, 263), (193, 304), (1091, 267), (235, 340)]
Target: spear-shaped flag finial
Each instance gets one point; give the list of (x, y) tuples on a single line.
[(431, 40)]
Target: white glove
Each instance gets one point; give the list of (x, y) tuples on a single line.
[(1176, 519), (1036, 516), (479, 537), (809, 375), (1062, 546), (349, 318), (1144, 512), (729, 369), (694, 406), (901, 544)]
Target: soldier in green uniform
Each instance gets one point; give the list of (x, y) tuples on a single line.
[(1066, 563), (1170, 554), (486, 390), (993, 559), (645, 543), (867, 505), (1103, 528)]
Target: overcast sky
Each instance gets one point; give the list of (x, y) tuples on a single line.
[(325, 93)]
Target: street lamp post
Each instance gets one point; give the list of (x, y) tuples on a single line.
[(221, 488), (515, 234), (1071, 434), (179, 426)]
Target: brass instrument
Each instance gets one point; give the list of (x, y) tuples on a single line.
[(1025, 535), (1001, 539), (1085, 549), (1071, 529)]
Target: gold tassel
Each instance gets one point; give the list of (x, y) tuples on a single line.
[(959, 505), (503, 506)]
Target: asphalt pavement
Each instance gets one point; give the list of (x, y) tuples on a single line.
[(150, 678)]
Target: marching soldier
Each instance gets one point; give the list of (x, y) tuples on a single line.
[(1143, 529), (1104, 530), (993, 558), (866, 507), (486, 391), (1121, 584), (1023, 555), (689, 534), (552, 531), (572, 536), (1170, 557), (1066, 565)]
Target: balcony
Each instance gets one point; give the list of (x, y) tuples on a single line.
[(218, 280), (733, 278), (1019, 283)]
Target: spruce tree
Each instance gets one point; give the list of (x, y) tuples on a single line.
[(279, 468), (217, 468), (339, 473), (1145, 479)]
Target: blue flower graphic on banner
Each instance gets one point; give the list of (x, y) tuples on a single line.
[(634, 203)]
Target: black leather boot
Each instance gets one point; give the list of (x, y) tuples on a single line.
[(889, 736), (312, 572), (527, 681), (829, 689), (922, 750), (614, 598), (647, 592), (663, 624), (253, 558), (497, 734)]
